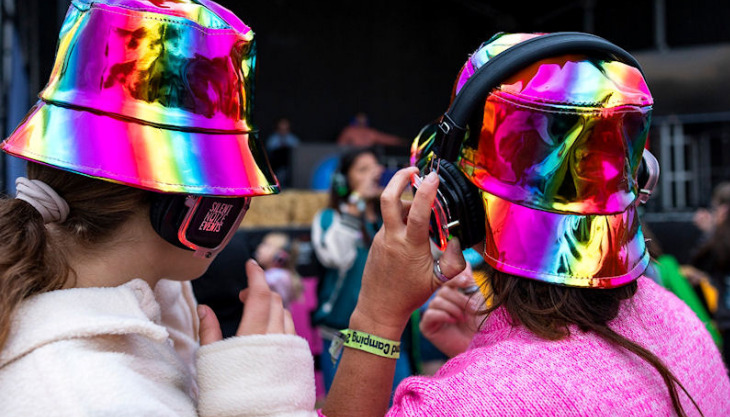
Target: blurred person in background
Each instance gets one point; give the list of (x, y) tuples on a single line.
[(280, 146), (277, 256), (360, 133), (341, 237), (712, 261)]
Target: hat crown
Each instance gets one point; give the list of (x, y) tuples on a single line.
[(171, 63), (154, 94), (564, 134)]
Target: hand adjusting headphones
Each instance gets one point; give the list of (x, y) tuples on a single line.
[(458, 210), (197, 223)]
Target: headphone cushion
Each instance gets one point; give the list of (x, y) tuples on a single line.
[(339, 184), (469, 203), (166, 212)]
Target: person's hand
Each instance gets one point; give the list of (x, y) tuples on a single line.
[(693, 275), (704, 221), (451, 318), (398, 276), (263, 311)]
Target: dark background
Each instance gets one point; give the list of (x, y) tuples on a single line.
[(321, 62), (396, 60)]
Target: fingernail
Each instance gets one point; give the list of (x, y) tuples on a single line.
[(202, 312), (431, 177), (253, 261)]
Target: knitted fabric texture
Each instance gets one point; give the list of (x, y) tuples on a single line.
[(508, 371)]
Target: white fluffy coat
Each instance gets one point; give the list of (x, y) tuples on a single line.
[(131, 351)]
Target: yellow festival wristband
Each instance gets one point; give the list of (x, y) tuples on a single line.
[(363, 341)]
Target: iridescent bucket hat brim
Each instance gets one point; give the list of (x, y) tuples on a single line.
[(555, 161), (155, 95)]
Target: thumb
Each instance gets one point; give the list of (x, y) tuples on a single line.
[(210, 329), (452, 262), (463, 279)]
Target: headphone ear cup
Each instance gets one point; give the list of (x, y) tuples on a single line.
[(166, 215), (339, 184), (647, 176), (465, 205)]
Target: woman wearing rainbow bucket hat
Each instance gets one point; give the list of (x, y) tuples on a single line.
[(538, 164), (142, 162)]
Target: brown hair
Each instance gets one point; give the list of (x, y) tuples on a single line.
[(547, 310), (32, 256)]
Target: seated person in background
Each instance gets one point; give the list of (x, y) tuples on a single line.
[(359, 133)]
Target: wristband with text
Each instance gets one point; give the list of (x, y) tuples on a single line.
[(363, 341), (355, 199)]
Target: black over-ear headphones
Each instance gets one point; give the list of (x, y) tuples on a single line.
[(197, 223), (339, 183), (458, 210)]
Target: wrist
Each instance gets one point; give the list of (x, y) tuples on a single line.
[(370, 323), (366, 342)]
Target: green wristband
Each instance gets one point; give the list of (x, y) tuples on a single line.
[(366, 342)]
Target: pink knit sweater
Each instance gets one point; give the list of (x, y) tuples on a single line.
[(510, 372)]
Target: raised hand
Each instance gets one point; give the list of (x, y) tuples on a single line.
[(452, 318), (263, 311), (398, 276)]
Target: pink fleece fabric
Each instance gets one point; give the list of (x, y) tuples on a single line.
[(509, 371)]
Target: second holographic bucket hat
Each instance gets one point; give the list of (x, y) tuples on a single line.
[(555, 156), (151, 94)]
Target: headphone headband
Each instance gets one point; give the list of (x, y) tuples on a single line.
[(508, 62)]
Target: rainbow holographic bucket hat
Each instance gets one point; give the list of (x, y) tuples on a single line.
[(154, 94), (555, 155)]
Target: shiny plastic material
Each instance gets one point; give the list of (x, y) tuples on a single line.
[(581, 251), (154, 94), (563, 135), (556, 159)]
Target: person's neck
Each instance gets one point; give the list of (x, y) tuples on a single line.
[(130, 255)]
